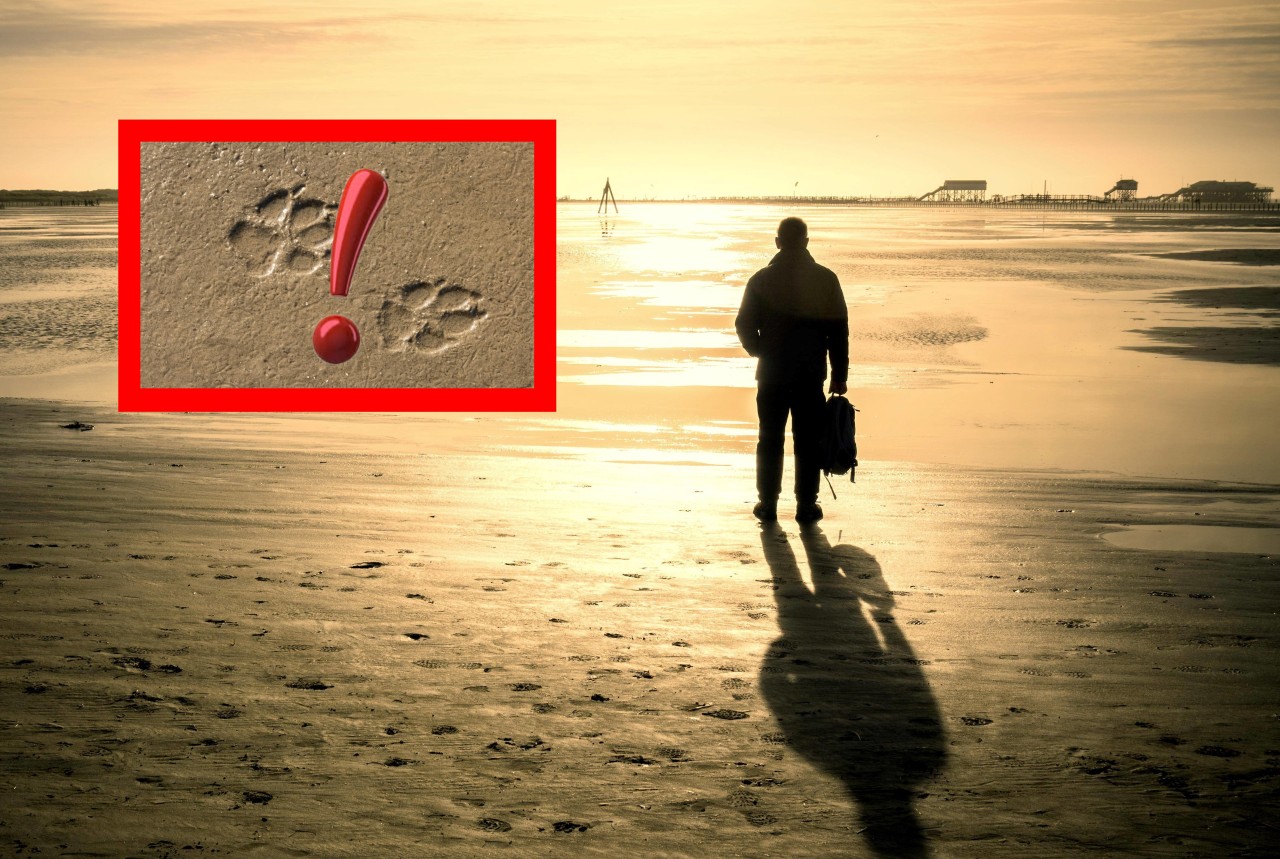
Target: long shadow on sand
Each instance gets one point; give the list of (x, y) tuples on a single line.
[(847, 689)]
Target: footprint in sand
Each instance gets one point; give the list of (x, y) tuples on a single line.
[(1218, 751), (284, 232), (728, 715), (429, 316), (569, 826), (759, 818)]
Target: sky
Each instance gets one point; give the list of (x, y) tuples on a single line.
[(675, 99)]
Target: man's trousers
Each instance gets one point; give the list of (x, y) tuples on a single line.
[(803, 401)]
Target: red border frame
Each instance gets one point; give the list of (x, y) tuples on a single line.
[(539, 398)]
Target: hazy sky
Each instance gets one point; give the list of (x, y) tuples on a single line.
[(685, 98)]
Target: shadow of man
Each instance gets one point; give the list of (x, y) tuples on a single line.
[(846, 687)]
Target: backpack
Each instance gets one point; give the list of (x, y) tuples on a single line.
[(839, 450)]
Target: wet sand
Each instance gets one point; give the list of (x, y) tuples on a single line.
[(565, 634), (1239, 256), (219, 639), (1255, 342), (1008, 340)]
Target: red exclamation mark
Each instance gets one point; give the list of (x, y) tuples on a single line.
[(336, 338)]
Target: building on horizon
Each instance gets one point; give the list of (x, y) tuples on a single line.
[(1215, 191), (958, 191), (1124, 191)]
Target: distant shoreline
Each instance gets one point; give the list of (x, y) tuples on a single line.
[(1041, 202), (41, 197)]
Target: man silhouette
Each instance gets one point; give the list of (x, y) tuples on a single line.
[(793, 317)]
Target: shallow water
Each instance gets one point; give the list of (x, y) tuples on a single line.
[(57, 245), (681, 267), (1007, 338), (1010, 339), (57, 296), (1197, 538)]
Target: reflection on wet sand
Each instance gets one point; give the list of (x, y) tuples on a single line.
[(1220, 343), (846, 688)]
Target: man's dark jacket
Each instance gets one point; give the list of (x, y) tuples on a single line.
[(792, 316)]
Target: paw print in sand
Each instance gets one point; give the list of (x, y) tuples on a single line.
[(285, 232), (429, 316)]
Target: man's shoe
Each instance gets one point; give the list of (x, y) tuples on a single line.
[(808, 513), (766, 511)]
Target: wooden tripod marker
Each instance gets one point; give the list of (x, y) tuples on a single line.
[(606, 194)]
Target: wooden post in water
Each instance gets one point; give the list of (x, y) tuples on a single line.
[(606, 195)]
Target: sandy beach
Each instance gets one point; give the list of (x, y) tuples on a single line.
[(1042, 623), (481, 620), (216, 644)]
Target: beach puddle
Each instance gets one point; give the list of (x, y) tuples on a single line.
[(1197, 538)]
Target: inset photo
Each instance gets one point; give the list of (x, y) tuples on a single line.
[(337, 266)]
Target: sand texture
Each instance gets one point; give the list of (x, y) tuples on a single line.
[(236, 240), (219, 637), (1239, 256), (564, 635)]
